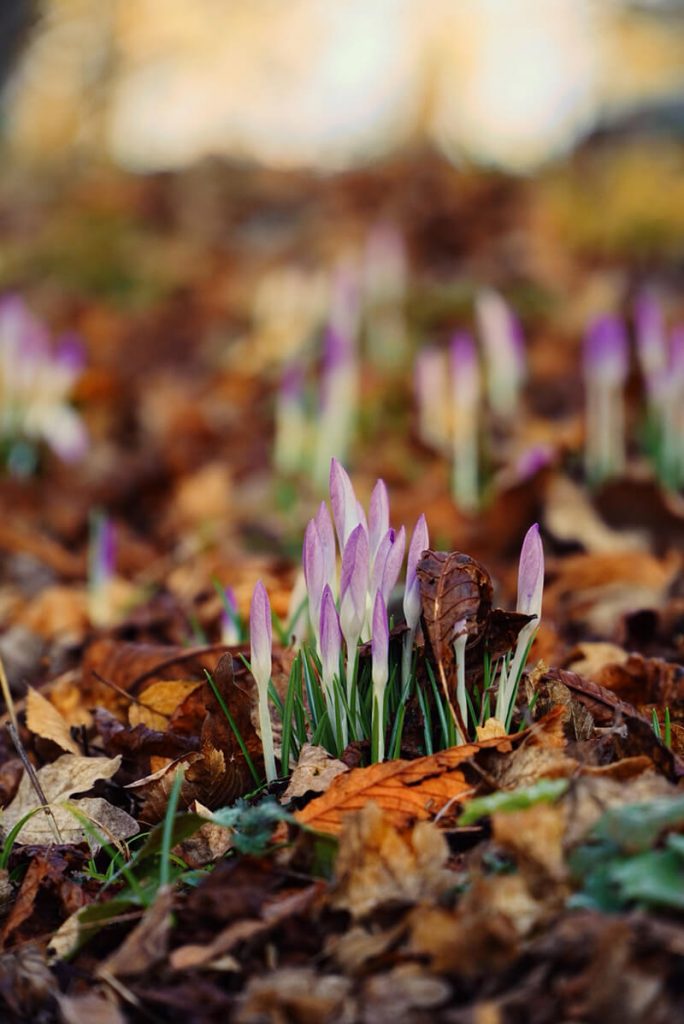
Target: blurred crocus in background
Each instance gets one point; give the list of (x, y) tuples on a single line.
[(606, 363), (465, 384), (431, 386), (504, 352), (670, 415), (101, 561), (36, 381), (385, 287), (338, 400), (651, 342)]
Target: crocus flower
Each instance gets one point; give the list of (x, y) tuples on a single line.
[(354, 584), (430, 378), (380, 670), (378, 518), (331, 648), (345, 507), (35, 383), (465, 377), (530, 592), (605, 372), (297, 624), (327, 537), (387, 564), (386, 274), (261, 646), (531, 574), (314, 565), (353, 590), (504, 352), (420, 542)]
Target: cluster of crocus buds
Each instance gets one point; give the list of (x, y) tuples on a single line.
[(530, 593), (36, 381)]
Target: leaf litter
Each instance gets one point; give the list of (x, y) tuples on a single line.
[(532, 873)]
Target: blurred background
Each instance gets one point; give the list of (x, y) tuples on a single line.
[(210, 195)]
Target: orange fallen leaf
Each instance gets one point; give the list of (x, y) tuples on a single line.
[(415, 790)]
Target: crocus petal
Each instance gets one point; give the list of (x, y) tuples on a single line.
[(327, 537), (531, 573), (260, 635), (420, 542), (343, 501), (378, 518), (331, 636), (606, 350), (387, 564), (380, 643), (354, 582), (465, 370), (314, 569)]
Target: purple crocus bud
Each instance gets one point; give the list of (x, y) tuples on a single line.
[(331, 637), (345, 507), (465, 370), (420, 542), (354, 583), (327, 537), (387, 565), (345, 300), (504, 350), (380, 644), (677, 353), (531, 574), (260, 636), (70, 354), (337, 351), (378, 519), (313, 563), (533, 460), (606, 351)]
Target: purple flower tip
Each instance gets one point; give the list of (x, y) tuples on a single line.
[(260, 635), (606, 350), (531, 573)]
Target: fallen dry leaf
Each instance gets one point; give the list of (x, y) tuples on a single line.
[(147, 944), (67, 775), (420, 789), (157, 702), (313, 773), (43, 719), (379, 864), (92, 1008)]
